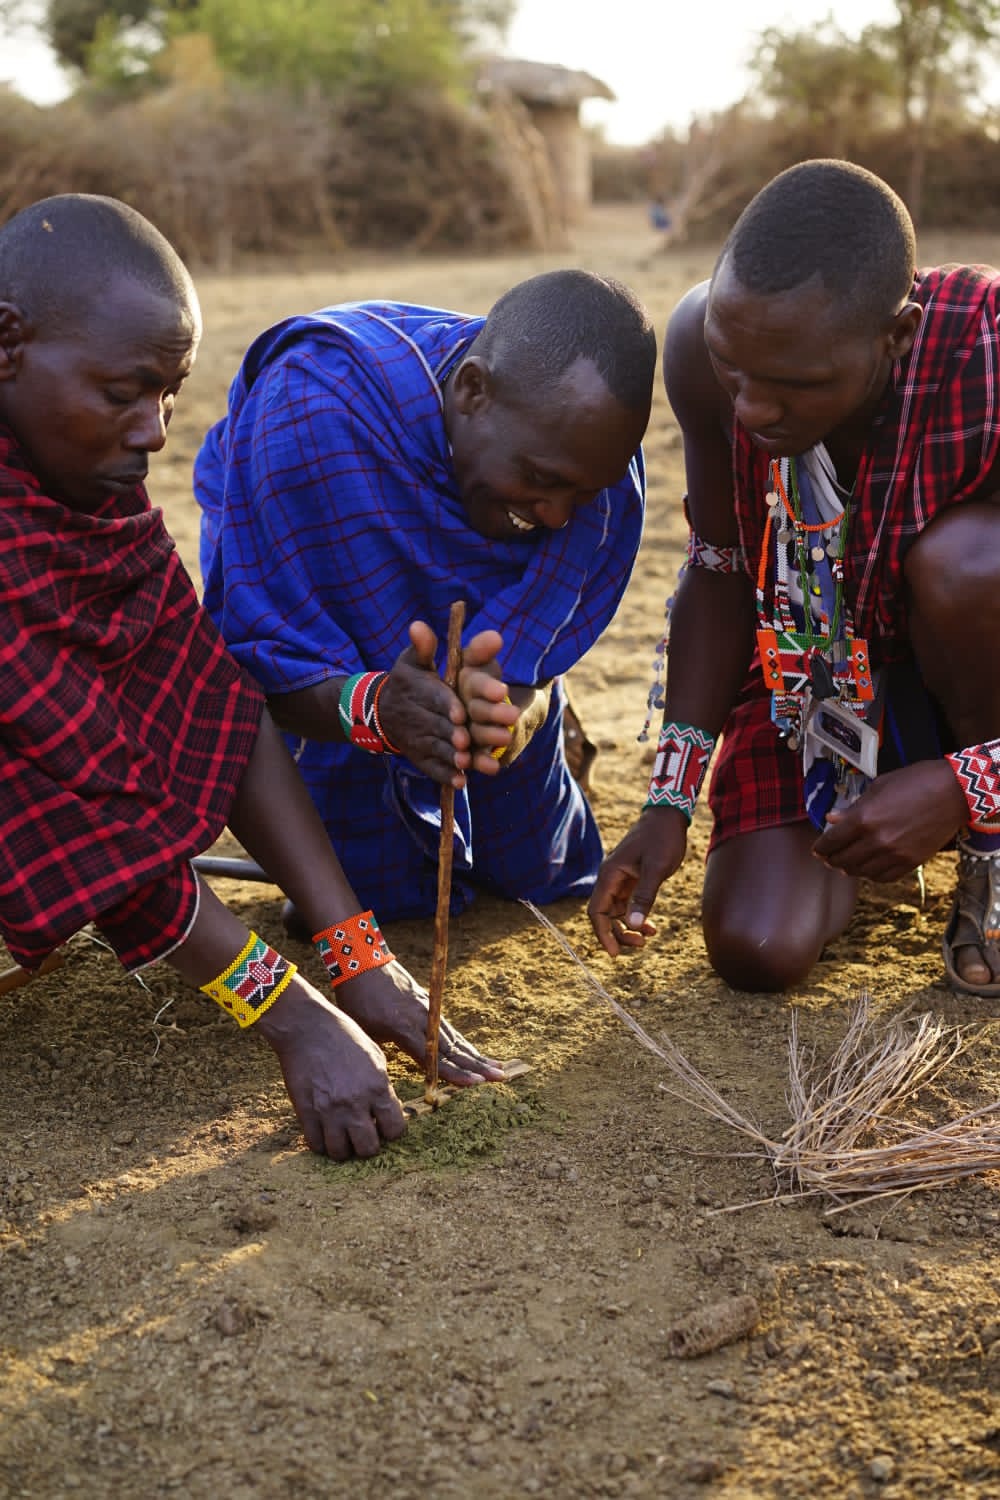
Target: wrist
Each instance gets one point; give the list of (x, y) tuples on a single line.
[(976, 772), (682, 756), (351, 947), (358, 709), (252, 983), (284, 1017)]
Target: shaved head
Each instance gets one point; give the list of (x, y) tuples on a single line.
[(60, 255), (542, 326), (833, 220)]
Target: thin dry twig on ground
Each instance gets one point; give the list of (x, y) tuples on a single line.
[(846, 1140)]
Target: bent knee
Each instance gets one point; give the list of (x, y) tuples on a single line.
[(752, 957)]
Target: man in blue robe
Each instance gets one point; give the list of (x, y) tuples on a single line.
[(379, 461)]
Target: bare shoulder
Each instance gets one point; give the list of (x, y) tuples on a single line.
[(694, 393), (704, 415)]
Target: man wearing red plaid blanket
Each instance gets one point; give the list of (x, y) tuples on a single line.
[(129, 737), (835, 617)]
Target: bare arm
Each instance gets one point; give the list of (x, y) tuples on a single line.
[(443, 733), (712, 621), (711, 629)]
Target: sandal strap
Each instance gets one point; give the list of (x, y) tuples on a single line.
[(972, 862)]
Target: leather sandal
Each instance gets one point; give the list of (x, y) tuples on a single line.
[(975, 918)]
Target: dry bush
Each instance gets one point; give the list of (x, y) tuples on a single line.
[(226, 173), (961, 185)]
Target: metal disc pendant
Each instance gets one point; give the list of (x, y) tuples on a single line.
[(818, 554), (833, 548), (771, 499)]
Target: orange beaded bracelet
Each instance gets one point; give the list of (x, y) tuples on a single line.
[(352, 947)]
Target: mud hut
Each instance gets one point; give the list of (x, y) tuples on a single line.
[(552, 95)]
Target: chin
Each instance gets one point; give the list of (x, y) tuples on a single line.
[(486, 517), (783, 447)]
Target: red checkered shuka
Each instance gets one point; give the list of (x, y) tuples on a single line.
[(125, 726), (935, 437)]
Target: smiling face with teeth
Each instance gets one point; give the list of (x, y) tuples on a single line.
[(523, 465)]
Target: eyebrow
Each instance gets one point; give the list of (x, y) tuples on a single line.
[(143, 375), (802, 375)]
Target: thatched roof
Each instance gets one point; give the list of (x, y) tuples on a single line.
[(541, 83)]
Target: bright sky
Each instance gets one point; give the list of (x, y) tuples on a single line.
[(666, 60)]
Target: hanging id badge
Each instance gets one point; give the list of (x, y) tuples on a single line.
[(833, 725)]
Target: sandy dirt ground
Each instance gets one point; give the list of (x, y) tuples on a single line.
[(193, 1304)]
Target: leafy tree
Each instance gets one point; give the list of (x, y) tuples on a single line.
[(73, 26), (926, 41), (929, 58), (935, 43), (821, 78), (294, 43)]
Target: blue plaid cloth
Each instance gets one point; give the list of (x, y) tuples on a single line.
[(331, 519)]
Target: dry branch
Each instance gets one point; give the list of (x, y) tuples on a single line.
[(711, 1327), (446, 849)]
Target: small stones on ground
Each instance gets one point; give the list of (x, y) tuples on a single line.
[(881, 1468), (723, 1388), (231, 1319), (702, 1470)]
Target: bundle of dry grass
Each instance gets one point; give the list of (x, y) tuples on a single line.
[(846, 1140)]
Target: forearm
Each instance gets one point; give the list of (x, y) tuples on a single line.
[(275, 820), (711, 643), (311, 712)]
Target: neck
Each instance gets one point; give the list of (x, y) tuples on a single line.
[(845, 450)]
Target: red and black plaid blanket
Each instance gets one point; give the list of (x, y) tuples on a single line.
[(125, 726), (935, 437)]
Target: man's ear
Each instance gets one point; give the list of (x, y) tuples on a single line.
[(471, 386), (15, 332), (904, 330)]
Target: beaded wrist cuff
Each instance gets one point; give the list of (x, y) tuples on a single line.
[(252, 982), (358, 709), (352, 947), (682, 756), (714, 559), (978, 771)]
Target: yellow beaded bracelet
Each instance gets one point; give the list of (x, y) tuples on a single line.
[(252, 982)]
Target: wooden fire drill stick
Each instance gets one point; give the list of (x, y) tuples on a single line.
[(439, 964)]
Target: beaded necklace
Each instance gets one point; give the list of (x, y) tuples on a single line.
[(827, 661)]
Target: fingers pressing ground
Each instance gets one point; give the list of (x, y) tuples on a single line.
[(336, 1142), (390, 1119), (364, 1137), (312, 1129)]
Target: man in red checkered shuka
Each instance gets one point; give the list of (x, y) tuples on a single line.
[(129, 738), (836, 617)]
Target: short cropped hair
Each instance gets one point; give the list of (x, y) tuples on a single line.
[(833, 219), (59, 254), (542, 326)]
